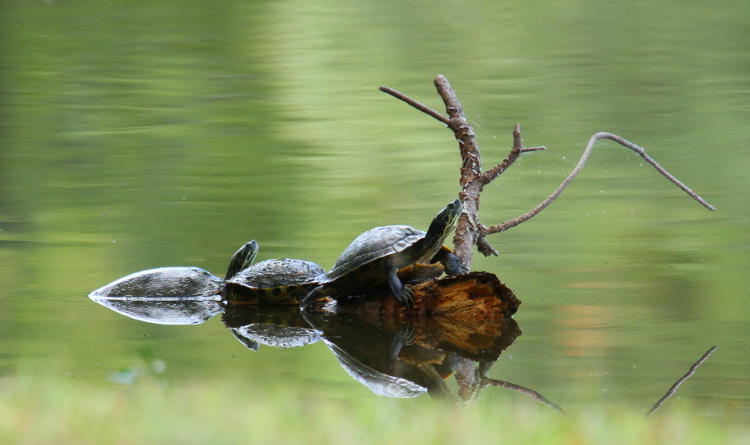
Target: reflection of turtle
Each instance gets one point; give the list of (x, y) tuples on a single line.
[(277, 327), (167, 295), (283, 281), (374, 258), (373, 356)]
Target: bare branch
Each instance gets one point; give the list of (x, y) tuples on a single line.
[(463, 132), (484, 246), (673, 389), (489, 175), (419, 106), (523, 390), (467, 228), (584, 157), (452, 104)]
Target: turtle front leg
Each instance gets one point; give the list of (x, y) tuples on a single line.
[(311, 296), (402, 293), (450, 261)]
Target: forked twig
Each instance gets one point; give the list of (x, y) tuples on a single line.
[(515, 152), (673, 389), (584, 157)]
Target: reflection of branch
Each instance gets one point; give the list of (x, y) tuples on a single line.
[(523, 390), (438, 388), (673, 389), (466, 377)]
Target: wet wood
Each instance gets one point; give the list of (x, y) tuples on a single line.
[(475, 296), (467, 314)]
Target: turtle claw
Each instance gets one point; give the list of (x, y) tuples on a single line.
[(406, 296), (408, 334)]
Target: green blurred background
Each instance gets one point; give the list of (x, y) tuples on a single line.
[(142, 134)]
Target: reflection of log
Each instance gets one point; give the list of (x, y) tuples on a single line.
[(467, 314)]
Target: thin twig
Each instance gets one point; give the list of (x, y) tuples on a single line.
[(523, 390), (673, 389), (515, 152), (586, 153), (419, 106)]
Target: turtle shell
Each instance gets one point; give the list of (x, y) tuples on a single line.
[(163, 282), (372, 245), (275, 273), (284, 282)]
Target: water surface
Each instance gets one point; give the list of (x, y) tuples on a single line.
[(169, 134)]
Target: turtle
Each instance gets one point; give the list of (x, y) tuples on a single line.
[(165, 295), (278, 281), (373, 260)]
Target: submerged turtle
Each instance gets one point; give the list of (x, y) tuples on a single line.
[(282, 281), (375, 257)]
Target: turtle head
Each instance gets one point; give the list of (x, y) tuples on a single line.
[(443, 223), (242, 258)]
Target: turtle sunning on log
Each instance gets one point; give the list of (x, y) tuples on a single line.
[(374, 258), (282, 281)]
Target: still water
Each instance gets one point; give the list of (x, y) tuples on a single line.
[(169, 133)]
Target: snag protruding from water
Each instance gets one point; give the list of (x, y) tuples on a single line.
[(469, 230)]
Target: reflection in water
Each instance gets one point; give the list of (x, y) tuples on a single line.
[(458, 326), (673, 389), (393, 350), (404, 358), (164, 310), (274, 326)]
